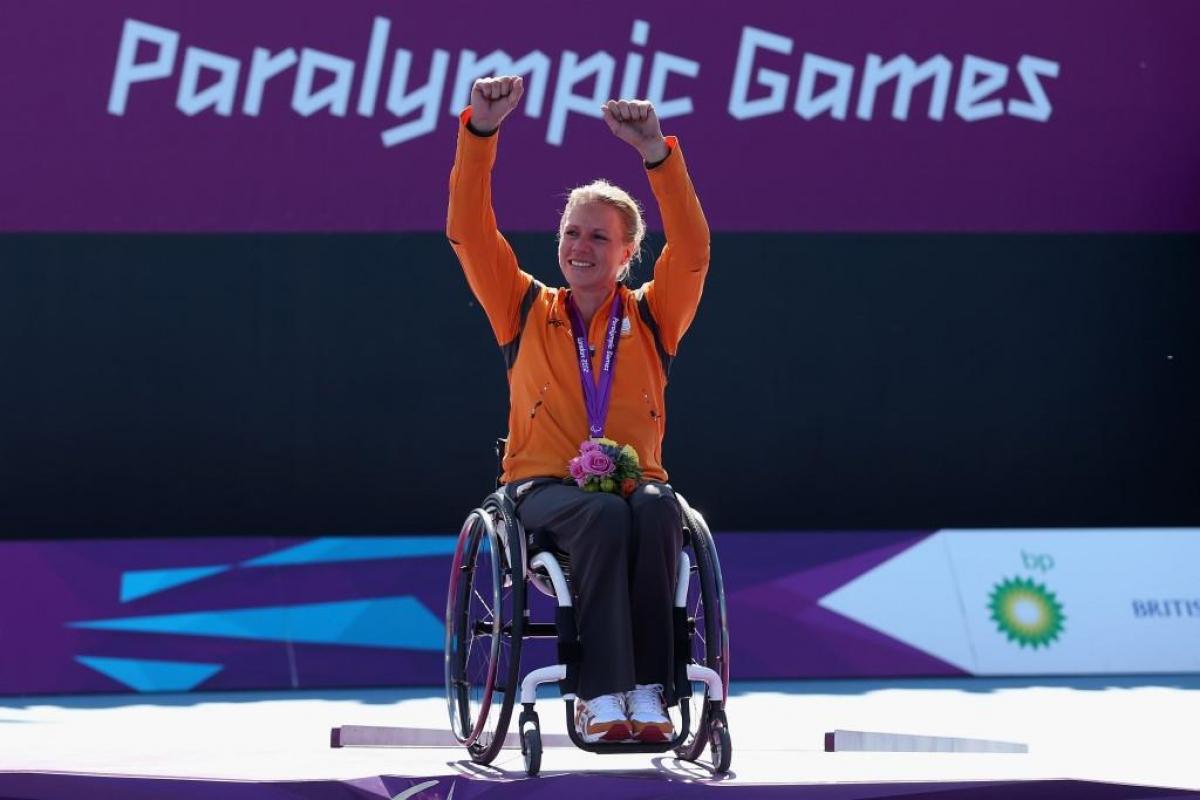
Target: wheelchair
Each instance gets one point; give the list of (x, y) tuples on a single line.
[(488, 618)]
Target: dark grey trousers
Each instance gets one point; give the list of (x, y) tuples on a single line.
[(623, 557)]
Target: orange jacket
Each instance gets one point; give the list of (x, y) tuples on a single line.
[(547, 419)]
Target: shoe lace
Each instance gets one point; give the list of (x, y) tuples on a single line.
[(646, 698), (607, 705)]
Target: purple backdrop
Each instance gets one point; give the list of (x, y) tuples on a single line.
[(102, 616), (142, 115)]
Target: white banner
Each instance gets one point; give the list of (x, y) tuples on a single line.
[(1040, 602)]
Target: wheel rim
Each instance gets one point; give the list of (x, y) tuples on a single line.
[(485, 646), (476, 648), (709, 641), (720, 651)]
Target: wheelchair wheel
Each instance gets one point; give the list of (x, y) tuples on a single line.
[(485, 616), (710, 639), (531, 747), (720, 749)]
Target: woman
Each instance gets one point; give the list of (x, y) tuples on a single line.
[(573, 379)]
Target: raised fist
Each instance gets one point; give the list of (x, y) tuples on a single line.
[(634, 122), (493, 99)]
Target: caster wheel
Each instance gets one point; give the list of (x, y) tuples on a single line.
[(531, 748), (719, 747)]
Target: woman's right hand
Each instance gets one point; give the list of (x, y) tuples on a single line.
[(493, 99)]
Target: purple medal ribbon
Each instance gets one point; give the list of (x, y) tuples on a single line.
[(596, 391)]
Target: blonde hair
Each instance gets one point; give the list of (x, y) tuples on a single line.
[(632, 225)]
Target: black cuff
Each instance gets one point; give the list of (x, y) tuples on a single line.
[(480, 133), (650, 165)]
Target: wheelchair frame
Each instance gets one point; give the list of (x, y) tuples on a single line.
[(493, 545)]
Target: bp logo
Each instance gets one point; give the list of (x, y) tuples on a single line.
[(1026, 612)]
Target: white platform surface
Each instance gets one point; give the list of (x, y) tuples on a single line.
[(1117, 730)]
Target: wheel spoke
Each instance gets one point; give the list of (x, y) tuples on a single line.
[(490, 614), (484, 644)]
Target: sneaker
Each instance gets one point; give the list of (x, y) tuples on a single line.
[(648, 713), (602, 719)]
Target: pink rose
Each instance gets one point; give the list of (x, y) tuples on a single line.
[(588, 446), (595, 462), (575, 467)]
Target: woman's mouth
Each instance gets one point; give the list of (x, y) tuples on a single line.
[(581, 264)]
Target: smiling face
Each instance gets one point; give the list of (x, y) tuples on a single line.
[(592, 249)]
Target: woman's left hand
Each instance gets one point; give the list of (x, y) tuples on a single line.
[(634, 122)]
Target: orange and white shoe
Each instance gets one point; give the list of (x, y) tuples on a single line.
[(602, 719), (648, 713)]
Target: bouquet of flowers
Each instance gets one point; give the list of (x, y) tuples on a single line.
[(605, 466)]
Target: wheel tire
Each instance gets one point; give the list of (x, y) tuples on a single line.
[(485, 618), (531, 744), (720, 748), (710, 642)]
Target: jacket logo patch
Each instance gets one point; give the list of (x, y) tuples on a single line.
[(626, 327), (555, 322)]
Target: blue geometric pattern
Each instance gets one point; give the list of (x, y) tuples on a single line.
[(141, 582), (390, 622), (345, 548), (147, 675)]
